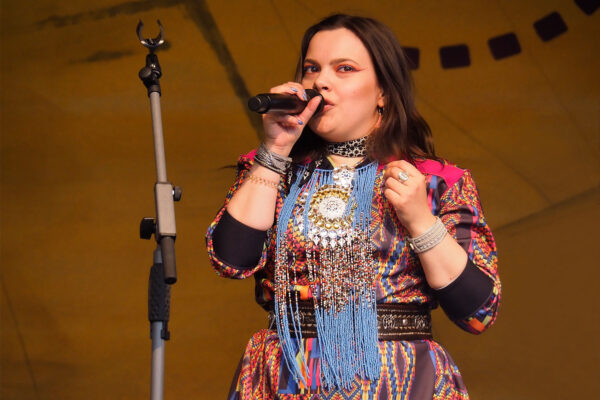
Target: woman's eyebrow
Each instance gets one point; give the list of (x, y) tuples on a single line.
[(342, 60), (334, 61)]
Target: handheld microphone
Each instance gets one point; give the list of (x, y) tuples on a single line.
[(285, 103)]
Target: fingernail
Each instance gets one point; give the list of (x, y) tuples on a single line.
[(294, 90), (300, 122), (304, 96)]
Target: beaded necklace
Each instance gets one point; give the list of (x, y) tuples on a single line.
[(332, 210)]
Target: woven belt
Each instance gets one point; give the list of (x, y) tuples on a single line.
[(394, 321)]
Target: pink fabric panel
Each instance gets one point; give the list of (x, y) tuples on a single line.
[(449, 172), (250, 155)]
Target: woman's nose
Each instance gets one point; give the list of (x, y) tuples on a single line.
[(321, 83)]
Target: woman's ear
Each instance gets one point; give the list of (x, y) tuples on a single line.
[(381, 100)]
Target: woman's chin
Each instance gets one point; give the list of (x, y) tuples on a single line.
[(325, 135), (322, 129)]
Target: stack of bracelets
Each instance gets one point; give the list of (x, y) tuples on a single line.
[(272, 161), (430, 238)]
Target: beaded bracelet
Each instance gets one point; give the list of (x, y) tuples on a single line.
[(263, 181), (430, 238)]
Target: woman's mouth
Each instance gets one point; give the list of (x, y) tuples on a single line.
[(327, 106)]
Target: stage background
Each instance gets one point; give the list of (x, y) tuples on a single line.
[(78, 172)]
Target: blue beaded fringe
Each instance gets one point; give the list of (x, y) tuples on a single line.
[(348, 337)]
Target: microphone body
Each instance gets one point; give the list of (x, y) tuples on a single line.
[(283, 103)]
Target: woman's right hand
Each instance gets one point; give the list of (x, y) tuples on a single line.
[(283, 130)]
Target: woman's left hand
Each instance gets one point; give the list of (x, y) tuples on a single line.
[(406, 190)]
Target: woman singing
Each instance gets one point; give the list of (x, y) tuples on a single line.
[(354, 230)]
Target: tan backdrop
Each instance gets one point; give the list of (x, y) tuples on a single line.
[(78, 174)]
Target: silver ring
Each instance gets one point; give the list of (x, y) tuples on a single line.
[(402, 176)]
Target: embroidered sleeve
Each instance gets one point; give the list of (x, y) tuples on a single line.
[(472, 299), (222, 267)]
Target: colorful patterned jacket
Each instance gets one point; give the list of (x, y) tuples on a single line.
[(471, 300)]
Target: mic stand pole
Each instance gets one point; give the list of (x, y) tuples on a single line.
[(162, 273)]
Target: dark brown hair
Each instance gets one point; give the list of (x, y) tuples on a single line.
[(403, 133)]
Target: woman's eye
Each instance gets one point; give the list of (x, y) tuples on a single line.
[(345, 68), (310, 68)]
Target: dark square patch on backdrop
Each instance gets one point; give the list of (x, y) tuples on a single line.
[(550, 26), (504, 46), (588, 6), (455, 56), (412, 55)]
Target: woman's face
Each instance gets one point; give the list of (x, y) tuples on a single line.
[(339, 66)]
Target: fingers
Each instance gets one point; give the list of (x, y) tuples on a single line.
[(405, 187), (396, 186), (393, 197), (404, 172), (405, 166), (400, 195), (399, 175), (310, 109), (291, 88), (402, 183), (285, 120)]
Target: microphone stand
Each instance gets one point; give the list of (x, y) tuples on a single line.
[(163, 272)]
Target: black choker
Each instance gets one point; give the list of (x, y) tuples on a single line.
[(351, 148)]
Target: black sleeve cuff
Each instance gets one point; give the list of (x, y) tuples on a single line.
[(466, 294), (237, 244)]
